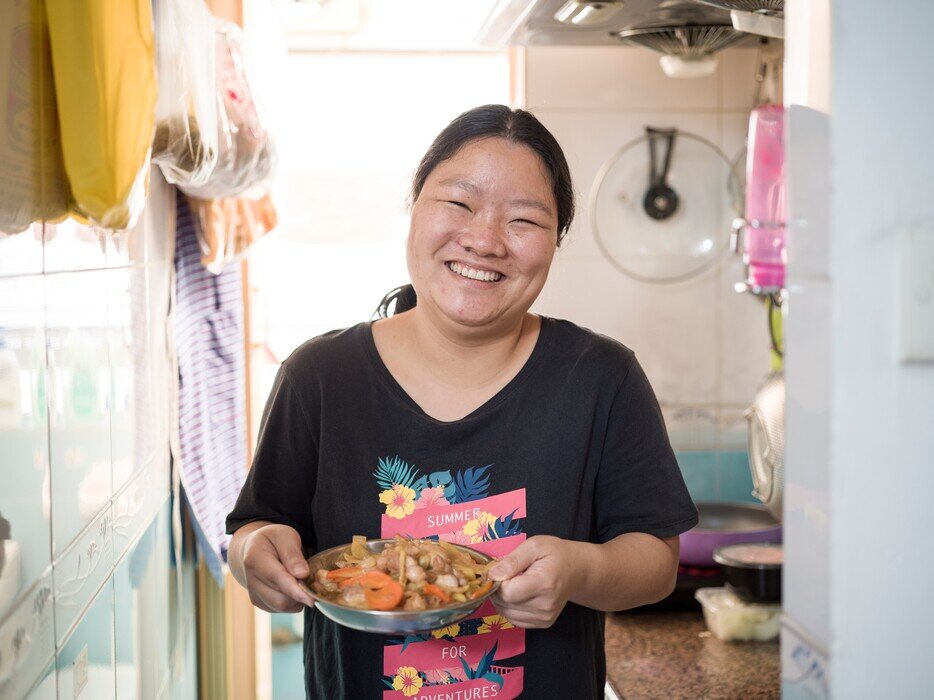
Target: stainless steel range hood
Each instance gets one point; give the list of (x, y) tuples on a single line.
[(581, 23)]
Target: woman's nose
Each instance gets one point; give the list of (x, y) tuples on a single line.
[(484, 236)]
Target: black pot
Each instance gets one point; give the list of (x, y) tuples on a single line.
[(752, 571)]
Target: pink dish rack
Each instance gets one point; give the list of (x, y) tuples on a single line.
[(760, 236)]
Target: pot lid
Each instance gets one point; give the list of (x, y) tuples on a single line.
[(661, 208)]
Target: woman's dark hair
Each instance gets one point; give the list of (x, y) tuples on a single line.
[(488, 121)]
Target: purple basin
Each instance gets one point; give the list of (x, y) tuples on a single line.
[(727, 523)]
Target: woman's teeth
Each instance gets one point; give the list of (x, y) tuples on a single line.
[(471, 273)]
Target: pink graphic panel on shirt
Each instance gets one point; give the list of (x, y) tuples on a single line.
[(443, 653), (455, 507), (467, 690), (438, 519)]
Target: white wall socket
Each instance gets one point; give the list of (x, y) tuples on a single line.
[(915, 340)]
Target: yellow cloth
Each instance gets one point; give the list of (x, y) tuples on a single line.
[(103, 59), (32, 176)]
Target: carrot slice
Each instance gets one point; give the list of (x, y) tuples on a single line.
[(437, 592), (482, 590), (343, 572), (380, 590)]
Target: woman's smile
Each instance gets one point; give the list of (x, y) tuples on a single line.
[(476, 274)]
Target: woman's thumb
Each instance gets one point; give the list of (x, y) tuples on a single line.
[(514, 563), (289, 546)]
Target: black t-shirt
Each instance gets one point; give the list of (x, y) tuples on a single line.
[(574, 446)]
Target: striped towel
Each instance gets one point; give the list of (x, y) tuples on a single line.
[(208, 328)]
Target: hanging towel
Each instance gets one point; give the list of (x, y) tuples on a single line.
[(208, 333)]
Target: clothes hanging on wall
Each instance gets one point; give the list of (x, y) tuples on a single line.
[(211, 444)]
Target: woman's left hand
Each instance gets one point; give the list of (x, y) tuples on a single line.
[(538, 578)]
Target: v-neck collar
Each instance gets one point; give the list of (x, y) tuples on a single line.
[(390, 382)]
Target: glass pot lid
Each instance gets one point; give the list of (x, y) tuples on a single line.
[(662, 207)]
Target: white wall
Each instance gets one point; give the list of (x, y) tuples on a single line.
[(704, 346), (882, 483)]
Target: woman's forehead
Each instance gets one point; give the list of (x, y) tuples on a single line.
[(491, 162)]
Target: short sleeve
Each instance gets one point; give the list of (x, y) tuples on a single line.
[(639, 484), (281, 483)]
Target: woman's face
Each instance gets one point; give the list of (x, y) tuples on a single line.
[(483, 234)]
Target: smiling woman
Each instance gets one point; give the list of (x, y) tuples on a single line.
[(541, 443)]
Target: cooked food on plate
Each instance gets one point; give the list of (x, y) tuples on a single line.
[(408, 574)]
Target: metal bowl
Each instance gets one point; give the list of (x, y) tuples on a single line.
[(391, 621)]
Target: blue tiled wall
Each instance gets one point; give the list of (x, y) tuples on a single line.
[(717, 476)]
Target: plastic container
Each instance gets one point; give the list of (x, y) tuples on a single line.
[(731, 619), (752, 571), (764, 250)]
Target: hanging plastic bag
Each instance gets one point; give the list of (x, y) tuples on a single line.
[(227, 227), (32, 175), (246, 156), (103, 60), (185, 144)]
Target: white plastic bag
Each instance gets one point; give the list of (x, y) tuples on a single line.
[(185, 144), (246, 156)]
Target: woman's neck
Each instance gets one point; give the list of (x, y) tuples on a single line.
[(471, 357)]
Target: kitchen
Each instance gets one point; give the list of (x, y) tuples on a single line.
[(112, 549)]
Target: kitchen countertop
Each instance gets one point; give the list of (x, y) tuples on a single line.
[(664, 654)]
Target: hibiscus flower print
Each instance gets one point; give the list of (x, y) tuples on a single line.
[(431, 496), (476, 528), (438, 677), (494, 623), (399, 501), (407, 680), (456, 538)]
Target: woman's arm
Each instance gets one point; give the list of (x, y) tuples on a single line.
[(542, 574), (267, 560)]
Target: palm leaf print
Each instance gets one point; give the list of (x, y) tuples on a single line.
[(471, 484), (483, 668), (503, 527), (392, 471)]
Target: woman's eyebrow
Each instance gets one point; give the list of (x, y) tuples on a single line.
[(532, 203), (462, 184)]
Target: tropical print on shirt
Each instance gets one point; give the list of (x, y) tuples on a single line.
[(468, 660)]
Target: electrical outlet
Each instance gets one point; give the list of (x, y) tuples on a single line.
[(916, 296)]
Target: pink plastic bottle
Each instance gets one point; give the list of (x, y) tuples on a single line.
[(764, 246)]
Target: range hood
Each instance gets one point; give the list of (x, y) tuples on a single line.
[(607, 23)]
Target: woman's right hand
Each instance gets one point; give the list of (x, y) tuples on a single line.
[(267, 560)]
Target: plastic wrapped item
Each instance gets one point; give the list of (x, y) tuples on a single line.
[(185, 144), (103, 60), (245, 150), (731, 619), (32, 175), (227, 227)]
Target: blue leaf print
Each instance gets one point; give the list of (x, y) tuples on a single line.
[(471, 484), (486, 662), (503, 527), (440, 478), (394, 470), (419, 485), (467, 670), (389, 683), (493, 678)]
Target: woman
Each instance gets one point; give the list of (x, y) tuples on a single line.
[(540, 441)]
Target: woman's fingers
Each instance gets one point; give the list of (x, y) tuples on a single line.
[(272, 600), (288, 545), (273, 575), (266, 556), (523, 618)]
